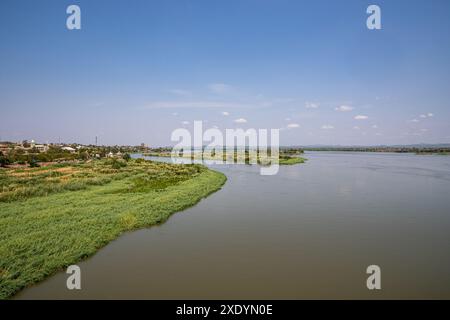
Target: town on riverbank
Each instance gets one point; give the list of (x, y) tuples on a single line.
[(32, 154)]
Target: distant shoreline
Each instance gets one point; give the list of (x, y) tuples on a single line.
[(414, 150)]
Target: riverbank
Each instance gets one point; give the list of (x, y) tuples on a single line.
[(291, 160), (55, 216), (244, 158)]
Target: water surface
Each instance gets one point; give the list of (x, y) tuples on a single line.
[(308, 232)]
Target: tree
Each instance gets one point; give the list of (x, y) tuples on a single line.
[(116, 164), (33, 163), (26, 144), (126, 157), (4, 160), (83, 155)]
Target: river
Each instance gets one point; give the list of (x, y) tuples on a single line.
[(308, 232)]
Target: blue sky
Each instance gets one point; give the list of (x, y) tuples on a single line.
[(137, 70)]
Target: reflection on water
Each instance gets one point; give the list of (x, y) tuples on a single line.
[(308, 232)]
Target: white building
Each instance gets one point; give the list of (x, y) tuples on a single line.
[(70, 149)]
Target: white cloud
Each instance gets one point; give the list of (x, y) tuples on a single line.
[(356, 127), (185, 122), (428, 115), (219, 88), (327, 127), (225, 113), (175, 114), (375, 126), (343, 108), (287, 119), (180, 92), (311, 105), (414, 120), (293, 125), (361, 117), (240, 120)]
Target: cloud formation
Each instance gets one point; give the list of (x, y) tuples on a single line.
[(240, 120), (361, 117), (344, 108), (426, 115), (293, 125), (311, 105)]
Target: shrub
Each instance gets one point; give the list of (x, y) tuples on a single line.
[(116, 164), (126, 157), (33, 163), (3, 160)]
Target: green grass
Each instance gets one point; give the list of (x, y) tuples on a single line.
[(239, 157), (83, 208), (425, 153), (291, 160)]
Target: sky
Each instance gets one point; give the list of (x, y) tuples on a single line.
[(137, 70)]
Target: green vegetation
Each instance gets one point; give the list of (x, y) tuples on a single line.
[(434, 152), (53, 154), (286, 160), (26, 153), (4, 160), (286, 156), (54, 216), (126, 157), (417, 149), (157, 154)]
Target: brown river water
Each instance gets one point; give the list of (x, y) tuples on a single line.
[(308, 232)]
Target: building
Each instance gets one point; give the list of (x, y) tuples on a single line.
[(70, 149), (41, 147)]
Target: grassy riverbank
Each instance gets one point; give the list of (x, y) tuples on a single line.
[(242, 157), (291, 160), (51, 217)]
